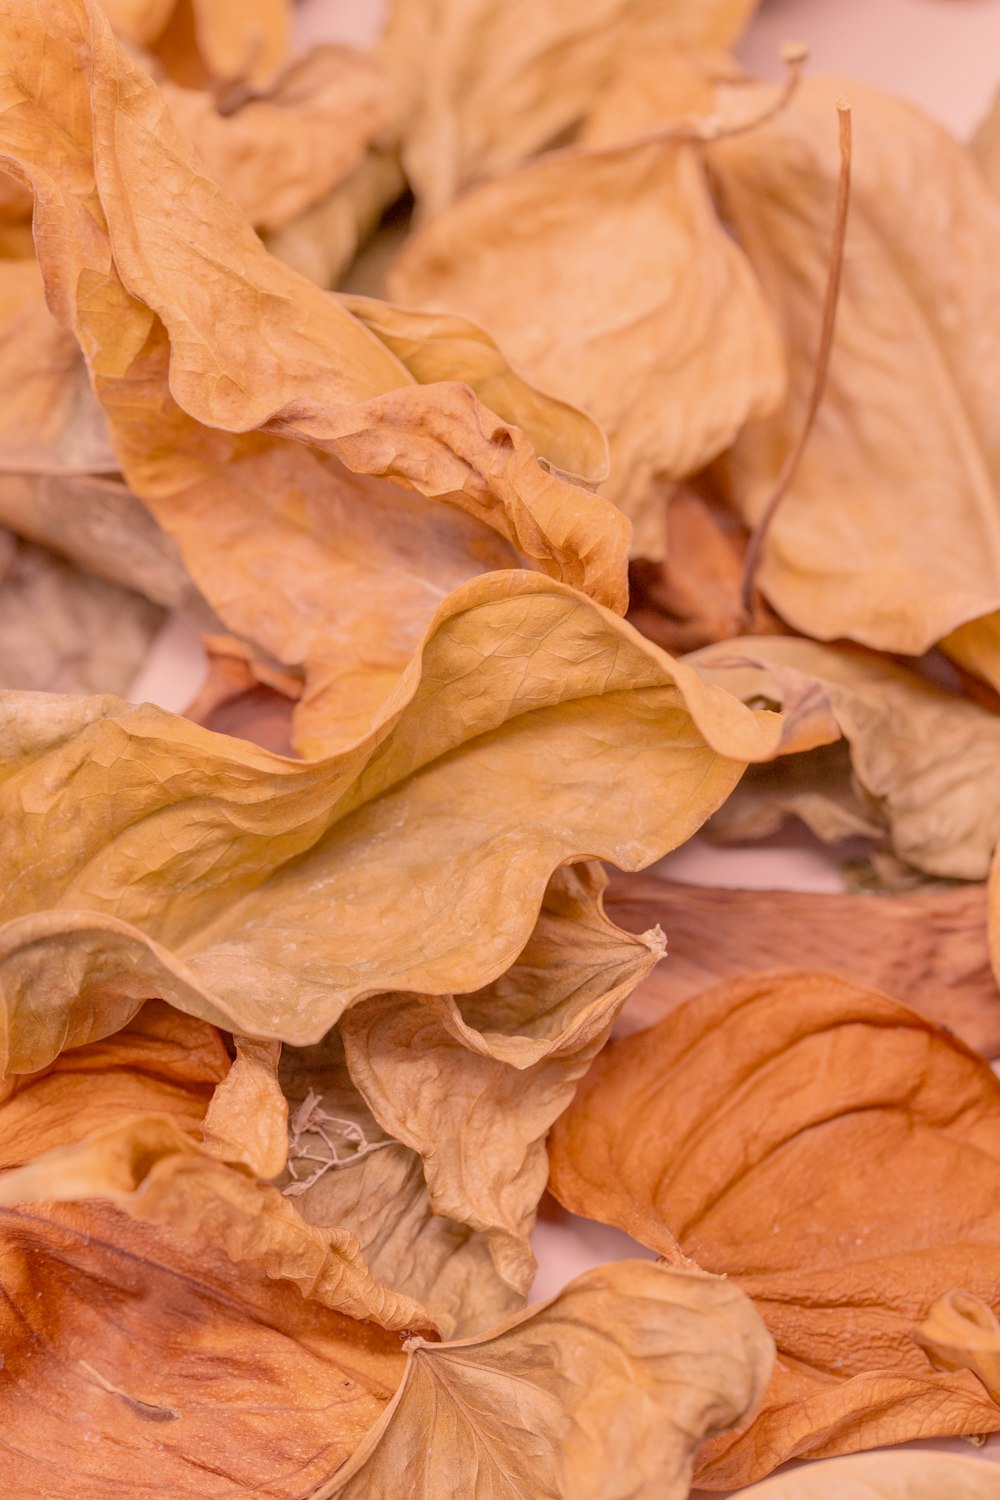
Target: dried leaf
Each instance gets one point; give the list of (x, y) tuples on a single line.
[(889, 532), (195, 336), (279, 153), (985, 144), (474, 1082), (961, 1332), (247, 1119), (162, 1062), (923, 758), (604, 1392), (510, 80), (322, 242), (606, 276), (240, 42), (884, 1476), (837, 1156), (268, 895), (927, 945), (65, 631), (345, 1170), (433, 347), (131, 1351)]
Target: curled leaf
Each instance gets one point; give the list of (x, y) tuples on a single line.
[(836, 1155), (961, 1332), (922, 756), (606, 275), (269, 895), (606, 1390)]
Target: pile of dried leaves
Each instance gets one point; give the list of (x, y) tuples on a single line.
[(305, 995)]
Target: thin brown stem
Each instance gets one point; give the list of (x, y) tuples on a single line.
[(789, 468)]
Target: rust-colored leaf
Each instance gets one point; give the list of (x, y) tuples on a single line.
[(837, 1156)]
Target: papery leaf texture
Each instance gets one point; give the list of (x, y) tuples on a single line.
[(603, 1393), (884, 1476), (838, 1157), (268, 895)]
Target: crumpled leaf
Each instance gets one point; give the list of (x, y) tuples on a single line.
[(280, 152), (129, 1351), (247, 1119), (154, 1170), (345, 1170), (510, 80), (433, 347), (923, 758), (606, 275), (163, 1061), (474, 1082), (195, 336), (243, 696), (961, 1332), (884, 1476), (268, 895), (602, 1393), (929, 945), (889, 534), (837, 1156), (65, 631)]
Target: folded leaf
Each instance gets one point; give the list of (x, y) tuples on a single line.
[(884, 1476), (156, 1172), (962, 1333), (247, 1119), (929, 945), (132, 1351), (474, 1082), (836, 1155), (922, 757), (606, 275), (437, 347), (890, 532), (162, 1062), (195, 337), (268, 895), (345, 1170), (604, 1392)]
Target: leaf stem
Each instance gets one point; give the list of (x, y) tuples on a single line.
[(782, 484)]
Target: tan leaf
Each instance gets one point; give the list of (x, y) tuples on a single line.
[(322, 242), (434, 346), (606, 276), (345, 1171), (65, 631), (195, 336), (836, 1155), (247, 1119), (961, 1332), (132, 1351), (890, 532), (607, 1389), (278, 153), (243, 696), (927, 945), (474, 1082), (268, 895), (923, 757), (154, 1170), (511, 80), (884, 1476)]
